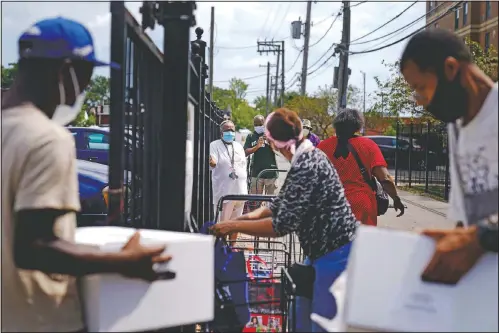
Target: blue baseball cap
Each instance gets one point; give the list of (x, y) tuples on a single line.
[(59, 38)]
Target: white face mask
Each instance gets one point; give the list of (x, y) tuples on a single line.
[(259, 129), (306, 132), (64, 114)]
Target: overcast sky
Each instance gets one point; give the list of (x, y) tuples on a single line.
[(238, 26)]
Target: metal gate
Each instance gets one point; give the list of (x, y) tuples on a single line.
[(161, 122), (421, 159)]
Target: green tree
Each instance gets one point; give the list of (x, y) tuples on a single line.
[(260, 103), (314, 109), (8, 75), (393, 95), (234, 97), (485, 59), (97, 93)]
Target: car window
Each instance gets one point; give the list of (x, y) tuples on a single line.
[(403, 144), (97, 141), (383, 141)]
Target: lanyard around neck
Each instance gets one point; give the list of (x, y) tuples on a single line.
[(228, 154)]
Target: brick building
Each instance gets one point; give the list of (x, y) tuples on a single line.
[(474, 19)]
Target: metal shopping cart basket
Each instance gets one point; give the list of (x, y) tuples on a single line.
[(270, 289), (252, 205)]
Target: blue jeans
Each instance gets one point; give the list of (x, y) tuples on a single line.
[(327, 269)]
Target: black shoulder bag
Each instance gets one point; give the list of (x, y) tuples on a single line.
[(303, 277), (381, 196)]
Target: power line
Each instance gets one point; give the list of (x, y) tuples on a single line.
[(327, 31), (265, 24), (324, 63), (408, 25), (323, 20), (294, 62), (357, 4), (236, 47), (320, 72), (447, 12), (283, 17), (244, 78), (273, 20), (385, 24), (243, 47), (317, 61)]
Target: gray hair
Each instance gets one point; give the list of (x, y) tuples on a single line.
[(226, 122), (348, 121)]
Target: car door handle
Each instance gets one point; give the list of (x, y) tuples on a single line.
[(92, 158)]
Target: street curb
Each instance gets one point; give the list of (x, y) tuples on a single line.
[(424, 207)]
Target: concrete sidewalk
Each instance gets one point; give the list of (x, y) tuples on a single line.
[(421, 213)]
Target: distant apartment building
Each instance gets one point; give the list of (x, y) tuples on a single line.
[(476, 20)]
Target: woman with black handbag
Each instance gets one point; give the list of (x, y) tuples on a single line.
[(362, 169), (311, 204)]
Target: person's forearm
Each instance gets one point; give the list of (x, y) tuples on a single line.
[(258, 228), (62, 257), (257, 214), (389, 186), (250, 151)]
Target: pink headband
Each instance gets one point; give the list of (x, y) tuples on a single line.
[(290, 144)]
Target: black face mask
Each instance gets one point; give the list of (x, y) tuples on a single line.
[(450, 101)]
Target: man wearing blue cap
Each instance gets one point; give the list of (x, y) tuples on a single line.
[(40, 186)]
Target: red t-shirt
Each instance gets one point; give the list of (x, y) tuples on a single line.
[(359, 194)]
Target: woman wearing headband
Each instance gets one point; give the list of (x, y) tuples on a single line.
[(311, 204)]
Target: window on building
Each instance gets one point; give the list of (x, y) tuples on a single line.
[(456, 19), (487, 41), (465, 13), (431, 4), (487, 9), (436, 25)]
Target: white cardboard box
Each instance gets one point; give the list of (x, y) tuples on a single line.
[(113, 303), (385, 291)]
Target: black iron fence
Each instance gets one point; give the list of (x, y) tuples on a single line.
[(421, 158), (161, 121)]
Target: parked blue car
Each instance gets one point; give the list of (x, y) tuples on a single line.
[(92, 179), (92, 143)]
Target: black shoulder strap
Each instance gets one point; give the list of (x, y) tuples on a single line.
[(362, 168)]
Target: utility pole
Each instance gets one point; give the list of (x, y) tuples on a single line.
[(269, 88), (276, 78), (364, 99), (343, 49), (275, 47), (212, 29), (282, 76), (305, 50)]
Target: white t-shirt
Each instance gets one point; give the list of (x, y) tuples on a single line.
[(477, 161), (221, 182), (38, 172)]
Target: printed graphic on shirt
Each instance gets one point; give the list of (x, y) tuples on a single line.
[(479, 170)]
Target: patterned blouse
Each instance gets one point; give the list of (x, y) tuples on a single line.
[(312, 204)]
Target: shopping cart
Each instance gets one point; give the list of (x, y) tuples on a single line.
[(252, 205), (270, 289)]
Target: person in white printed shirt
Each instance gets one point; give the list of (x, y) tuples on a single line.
[(438, 65), (228, 166)]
